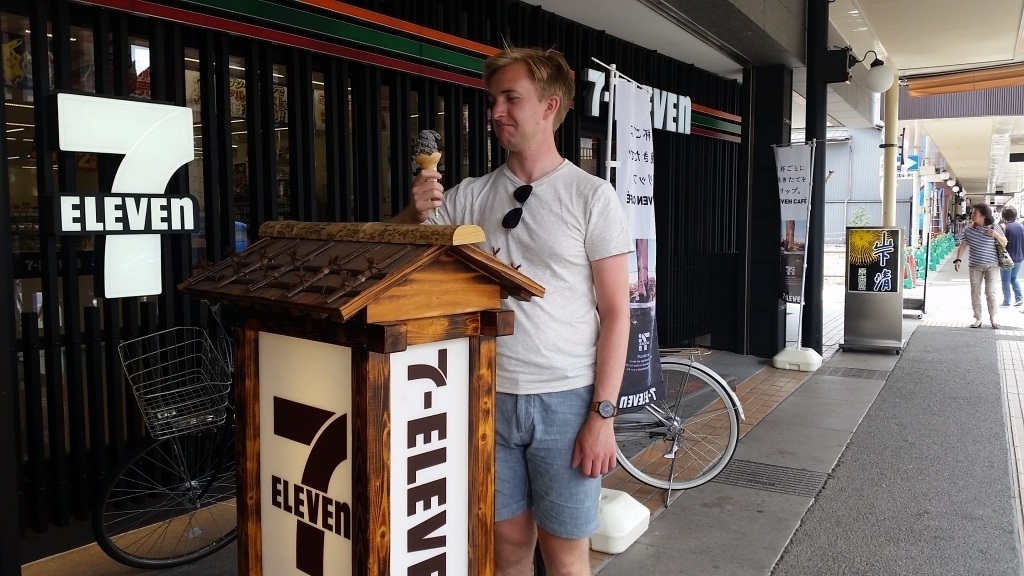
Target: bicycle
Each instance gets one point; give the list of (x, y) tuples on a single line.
[(172, 500), (686, 438)]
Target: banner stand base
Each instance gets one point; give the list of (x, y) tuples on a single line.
[(797, 358)]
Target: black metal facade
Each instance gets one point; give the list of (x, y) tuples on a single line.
[(67, 413)]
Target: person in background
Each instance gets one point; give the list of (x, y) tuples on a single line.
[(981, 237), (557, 395), (1014, 232)]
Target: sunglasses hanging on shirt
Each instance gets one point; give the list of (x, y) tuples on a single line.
[(513, 216)]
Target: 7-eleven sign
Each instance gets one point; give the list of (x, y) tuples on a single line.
[(155, 140)]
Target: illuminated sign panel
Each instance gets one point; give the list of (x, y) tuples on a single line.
[(305, 465), (155, 140), (429, 461)]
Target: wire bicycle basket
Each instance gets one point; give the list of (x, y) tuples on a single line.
[(179, 380)]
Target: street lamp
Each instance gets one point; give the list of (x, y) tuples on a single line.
[(879, 78)]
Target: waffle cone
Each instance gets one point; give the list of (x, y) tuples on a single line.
[(427, 161)]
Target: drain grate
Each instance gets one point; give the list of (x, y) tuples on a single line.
[(852, 373), (793, 481)]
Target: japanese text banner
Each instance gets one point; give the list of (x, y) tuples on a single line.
[(634, 179), (793, 164)]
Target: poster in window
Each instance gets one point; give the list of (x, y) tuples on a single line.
[(16, 57)]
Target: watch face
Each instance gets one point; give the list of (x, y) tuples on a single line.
[(606, 409)]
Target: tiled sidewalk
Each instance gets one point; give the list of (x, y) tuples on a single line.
[(1011, 368), (759, 395)]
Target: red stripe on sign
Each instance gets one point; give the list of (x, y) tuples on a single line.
[(713, 134), (293, 40)]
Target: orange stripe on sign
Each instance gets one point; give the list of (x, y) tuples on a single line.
[(401, 25), (713, 112)]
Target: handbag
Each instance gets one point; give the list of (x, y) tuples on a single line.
[(1005, 262)]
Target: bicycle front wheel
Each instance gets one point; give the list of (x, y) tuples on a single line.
[(170, 502), (686, 438)]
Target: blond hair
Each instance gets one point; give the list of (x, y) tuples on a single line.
[(548, 70)]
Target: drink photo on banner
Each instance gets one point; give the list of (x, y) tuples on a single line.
[(794, 246)]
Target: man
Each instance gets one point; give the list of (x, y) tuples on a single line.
[(558, 376)]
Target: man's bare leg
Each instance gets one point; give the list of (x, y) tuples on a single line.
[(564, 556), (514, 542)]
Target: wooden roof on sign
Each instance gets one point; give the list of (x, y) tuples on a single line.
[(337, 269)]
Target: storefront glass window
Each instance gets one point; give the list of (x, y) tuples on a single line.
[(196, 185), (320, 143), (239, 151), (139, 70), (284, 205), (83, 60), (589, 154), (22, 160), (385, 151), (465, 140), (86, 164), (83, 79), (438, 124), (490, 133), (414, 118), (350, 185)]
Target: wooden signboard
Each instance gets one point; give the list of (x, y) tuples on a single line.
[(365, 397)]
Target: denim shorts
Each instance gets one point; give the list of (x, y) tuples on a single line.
[(536, 434)]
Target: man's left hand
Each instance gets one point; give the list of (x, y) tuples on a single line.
[(594, 453)]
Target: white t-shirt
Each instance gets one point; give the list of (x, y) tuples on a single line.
[(571, 219)]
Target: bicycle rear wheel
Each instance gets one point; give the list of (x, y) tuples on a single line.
[(170, 502), (686, 438)]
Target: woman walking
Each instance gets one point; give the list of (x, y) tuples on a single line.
[(1014, 232), (981, 237)]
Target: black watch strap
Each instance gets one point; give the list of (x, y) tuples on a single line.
[(957, 260)]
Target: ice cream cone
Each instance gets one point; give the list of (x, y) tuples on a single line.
[(427, 161), (426, 153)]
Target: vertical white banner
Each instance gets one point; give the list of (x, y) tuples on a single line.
[(793, 165), (634, 149), (430, 459), (634, 182)]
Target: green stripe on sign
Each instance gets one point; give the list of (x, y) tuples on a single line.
[(714, 123), (340, 30)]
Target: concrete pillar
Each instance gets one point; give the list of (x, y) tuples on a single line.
[(892, 102)]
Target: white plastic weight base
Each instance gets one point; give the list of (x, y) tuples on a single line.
[(622, 520), (795, 358)]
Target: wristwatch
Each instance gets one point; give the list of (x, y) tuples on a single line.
[(957, 260), (605, 408)]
